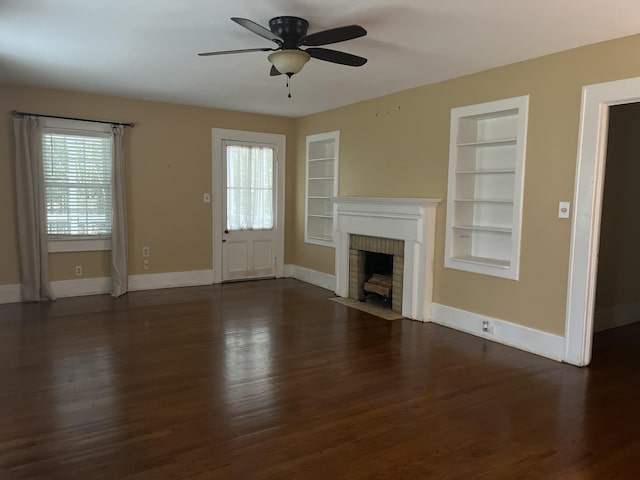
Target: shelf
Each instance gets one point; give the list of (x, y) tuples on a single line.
[(489, 143), (488, 171), (483, 200), (491, 262), (324, 159), (324, 238), (321, 187), (483, 228), (486, 178)]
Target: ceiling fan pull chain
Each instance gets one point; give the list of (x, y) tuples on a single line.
[(289, 86)]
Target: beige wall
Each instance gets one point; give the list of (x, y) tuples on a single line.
[(168, 156), (618, 289), (397, 146)]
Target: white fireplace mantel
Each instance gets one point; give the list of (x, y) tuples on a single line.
[(410, 219)]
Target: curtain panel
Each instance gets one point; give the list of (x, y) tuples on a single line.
[(119, 234), (249, 187), (30, 204)]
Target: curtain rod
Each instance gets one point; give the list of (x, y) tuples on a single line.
[(26, 114)]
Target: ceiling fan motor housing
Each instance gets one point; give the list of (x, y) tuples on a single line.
[(290, 29)]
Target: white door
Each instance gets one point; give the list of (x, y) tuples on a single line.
[(248, 212), (248, 204)]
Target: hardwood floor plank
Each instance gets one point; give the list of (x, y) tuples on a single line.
[(269, 380)]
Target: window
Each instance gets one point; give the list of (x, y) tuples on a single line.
[(77, 165), (249, 187)]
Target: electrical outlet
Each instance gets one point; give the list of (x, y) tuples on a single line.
[(146, 265), (487, 327), (78, 270), (145, 251)]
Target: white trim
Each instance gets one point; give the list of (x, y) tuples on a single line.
[(409, 219), (585, 230), (313, 277), (61, 289), (154, 281), (218, 136), (100, 285), (81, 287), (500, 331), (10, 293), (55, 246)]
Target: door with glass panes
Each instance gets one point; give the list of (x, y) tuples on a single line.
[(249, 237)]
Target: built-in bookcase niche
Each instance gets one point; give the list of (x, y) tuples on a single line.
[(486, 177), (322, 186)]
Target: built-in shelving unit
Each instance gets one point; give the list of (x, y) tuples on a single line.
[(322, 186), (486, 177)]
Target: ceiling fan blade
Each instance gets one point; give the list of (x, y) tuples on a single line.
[(244, 50), (274, 71), (335, 56), (257, 29), (334, 35)]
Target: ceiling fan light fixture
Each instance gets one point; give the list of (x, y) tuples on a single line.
[(289, 62)]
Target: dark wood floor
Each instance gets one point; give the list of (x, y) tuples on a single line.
[(268, 379)]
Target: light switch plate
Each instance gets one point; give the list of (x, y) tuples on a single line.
[(206, 198), (564, 209)]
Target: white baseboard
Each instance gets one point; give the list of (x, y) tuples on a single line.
[(80, 287), (10, 293), (96, 286), (518, 336), (153, 281), (313, 277)]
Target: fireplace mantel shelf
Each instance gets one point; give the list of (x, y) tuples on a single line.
[(408, 219)]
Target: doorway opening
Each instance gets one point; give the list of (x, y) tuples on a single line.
[(617, 298), (585, 233)]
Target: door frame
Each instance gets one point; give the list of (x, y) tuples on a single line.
[(219, 135), (585, 227)]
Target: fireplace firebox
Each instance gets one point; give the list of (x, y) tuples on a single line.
[(386, 259)]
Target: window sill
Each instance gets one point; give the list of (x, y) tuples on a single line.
[(57, 246)]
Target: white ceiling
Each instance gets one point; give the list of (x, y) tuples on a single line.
[(147, 49)]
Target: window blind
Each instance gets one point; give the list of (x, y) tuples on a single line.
[(77, 180)]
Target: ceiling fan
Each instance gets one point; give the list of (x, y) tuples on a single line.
[(290, 34)]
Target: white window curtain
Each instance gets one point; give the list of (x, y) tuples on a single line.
[(249, 187), (119, 232), (30, 203)]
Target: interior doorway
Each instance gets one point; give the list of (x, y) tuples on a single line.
[(248, 205), (597, 101), (617, 300)]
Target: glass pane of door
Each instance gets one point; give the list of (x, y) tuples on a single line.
[(249, 187)]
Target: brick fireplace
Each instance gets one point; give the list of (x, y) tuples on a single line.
[(359, 246), (402, 227)]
